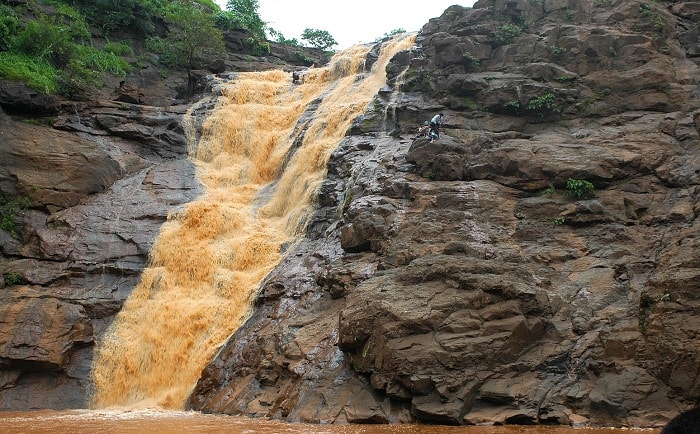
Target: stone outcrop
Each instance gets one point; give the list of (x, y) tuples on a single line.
[(458, 282), (96, 189), (84, 189), (465, 282)]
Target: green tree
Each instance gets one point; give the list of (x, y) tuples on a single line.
[(246, 13), (133, 16), (320, 39), (278, 37), (9, 26), (192, 33)]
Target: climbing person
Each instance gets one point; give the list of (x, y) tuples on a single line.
[(435, 124), (424, 130)]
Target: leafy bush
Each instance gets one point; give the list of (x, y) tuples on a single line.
[(192, 32), (506, 33), (70, 20), (549, 191), (471, 59), (260, 48), (38, 74), (12, 278), (246, 13), (512, 106), (86, 69), (9, 26), (118, 49), (320, 39), (43, 39), (103, 61), (133, 16), (9, 209), (542, 104), (227, 20), (52, 54), (579, 188), (556, 50), (210, 4), (304, 58)]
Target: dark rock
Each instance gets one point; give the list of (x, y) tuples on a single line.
[(456, 282), (464, 284), (18, 98)]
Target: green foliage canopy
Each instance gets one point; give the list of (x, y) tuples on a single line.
[(320, 39), (52, 52), (579, 188), (134, 16), (192, 32), (245, 12)]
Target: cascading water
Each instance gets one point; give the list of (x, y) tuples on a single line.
[(210, 257)]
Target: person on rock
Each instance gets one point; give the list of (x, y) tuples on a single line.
[(424, 130), (435, 124)]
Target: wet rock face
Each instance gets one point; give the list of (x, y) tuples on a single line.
[(468, 281), (84, 189), (83, 205), (464, 282)]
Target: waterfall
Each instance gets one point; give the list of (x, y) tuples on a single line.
[(261, 156)]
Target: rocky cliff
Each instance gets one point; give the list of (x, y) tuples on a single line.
[(84, 189), (479, 279), (476, 279)]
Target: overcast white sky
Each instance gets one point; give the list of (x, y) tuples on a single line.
[(349, 21)]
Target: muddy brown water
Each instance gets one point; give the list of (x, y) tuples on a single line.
[(175, 422)]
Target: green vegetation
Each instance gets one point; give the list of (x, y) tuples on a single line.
[(471, 60), (52, 52), (12, 278), (10, 208), (600, 94), (304, 58), (346, 202), (320, 39), (390, 35), (245, 13), (512, 106), (647, 306), (649, 13), (192, 32), (506, 33), (556, 50), (38, 74), (542, 104), (280, 39), (579, 188), (49, 45), (549, 191), (470, 104)]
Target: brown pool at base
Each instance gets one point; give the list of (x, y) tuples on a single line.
[(172, 422)]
